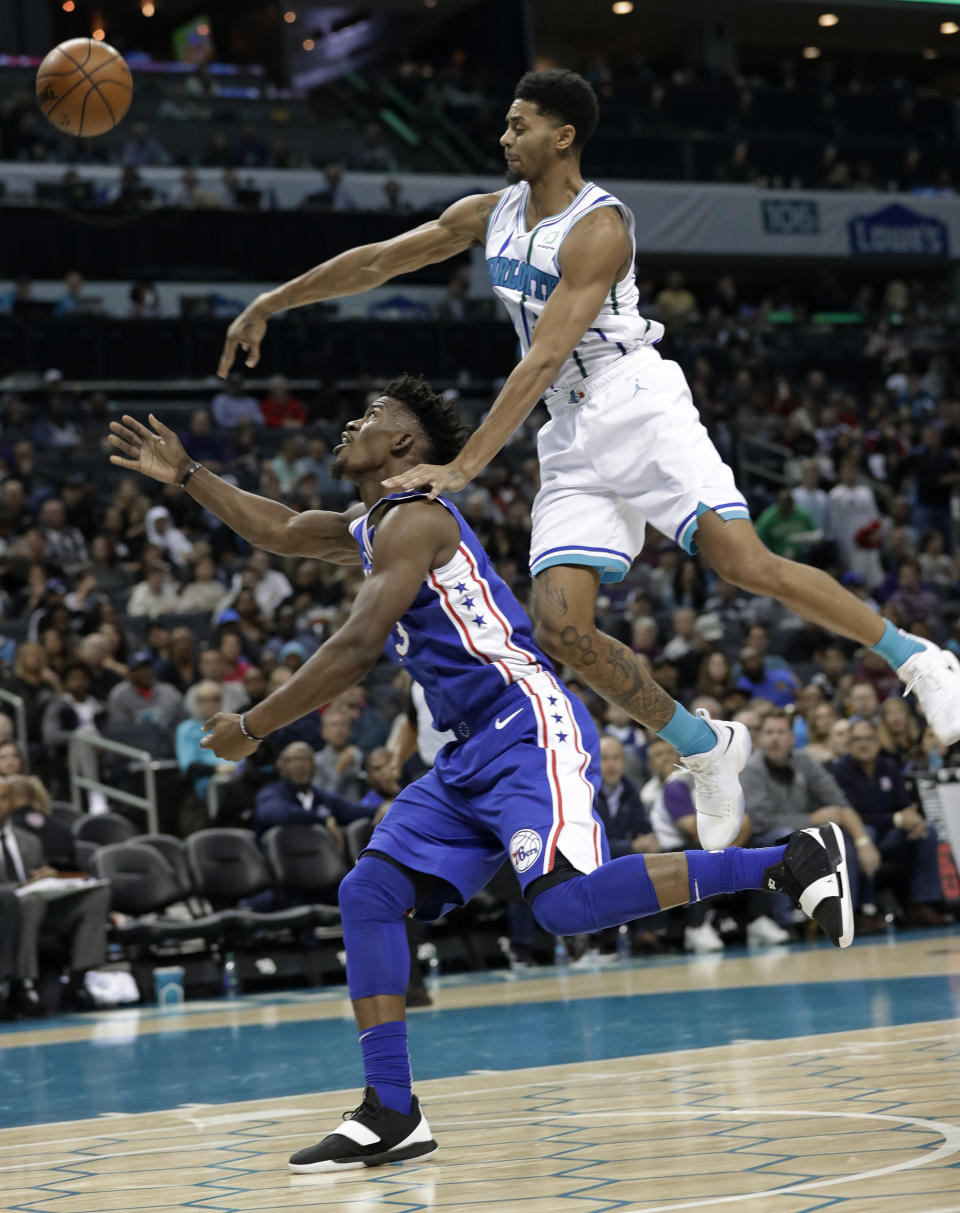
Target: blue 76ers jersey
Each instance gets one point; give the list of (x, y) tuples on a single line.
[(465, 637)]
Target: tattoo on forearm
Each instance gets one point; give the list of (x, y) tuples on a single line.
[(614, 672)]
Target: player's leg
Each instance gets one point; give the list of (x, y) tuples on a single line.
[(811, 868), (733, 549), (564, 611), (397, 873)]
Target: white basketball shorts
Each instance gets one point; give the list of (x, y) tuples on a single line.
[(623, 448)]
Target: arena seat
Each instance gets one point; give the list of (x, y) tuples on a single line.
[(142, 882), (356, 836), (65, 812), (305, 860), (141, 879), (226, 866), (173, 851), (101, 829)]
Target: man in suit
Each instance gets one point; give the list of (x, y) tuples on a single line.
[(294, 799), (78, 919), (9, 934)]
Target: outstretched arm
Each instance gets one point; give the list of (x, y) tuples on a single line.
[(359, 269), (158, 453), (591, 260), (404, 551)]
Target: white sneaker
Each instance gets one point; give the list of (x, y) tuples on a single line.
[(716, 783), (702, 939), (763, 932), (933, 675)]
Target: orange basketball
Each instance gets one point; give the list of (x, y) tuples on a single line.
[(84, 87)]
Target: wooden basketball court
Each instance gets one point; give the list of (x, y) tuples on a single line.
[(784, 1082)]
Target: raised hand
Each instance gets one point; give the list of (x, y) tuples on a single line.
[(157, 452), (247, 331)]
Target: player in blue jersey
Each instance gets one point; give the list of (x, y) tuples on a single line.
[(518, 781), (624, 446)]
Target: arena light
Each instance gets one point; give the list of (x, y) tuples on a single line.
[(828, 20), (811, 52), (99, 34), (949, 27), (289, 16), (622, 7), (308, 44), (68, 6), (148, 8)]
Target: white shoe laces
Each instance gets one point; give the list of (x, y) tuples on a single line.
[(706, 783), (923, 681)]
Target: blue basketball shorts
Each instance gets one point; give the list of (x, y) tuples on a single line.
[(523, 786)]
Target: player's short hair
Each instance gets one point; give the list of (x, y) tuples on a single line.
[(438, 418), (564, 95)]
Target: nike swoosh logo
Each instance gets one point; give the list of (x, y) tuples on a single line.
[(730, 737), (500, 724)]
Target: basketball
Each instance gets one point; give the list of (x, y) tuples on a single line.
[(84, 87)]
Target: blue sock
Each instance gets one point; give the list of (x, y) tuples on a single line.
[(895, 647), (688, 734), (386, 1064), (728, 871)]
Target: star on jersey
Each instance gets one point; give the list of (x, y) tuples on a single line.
[(478, 620), (552, 700), (460, 588), (468, 603), (558, 718), (561, 737)]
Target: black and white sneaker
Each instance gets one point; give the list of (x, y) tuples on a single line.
[(813, 874), (370, 1136)]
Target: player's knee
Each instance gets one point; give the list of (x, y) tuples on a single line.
[(750, 566), (564, 909), (373, 890)]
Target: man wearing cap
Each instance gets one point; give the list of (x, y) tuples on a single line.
[(138, 700)]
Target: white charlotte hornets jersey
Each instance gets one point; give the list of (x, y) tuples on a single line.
[(524, 269)]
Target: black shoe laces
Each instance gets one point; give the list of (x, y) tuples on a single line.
[(365, 1106)]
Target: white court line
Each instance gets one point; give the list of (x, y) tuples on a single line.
[(951, 1145), (107, 1121)]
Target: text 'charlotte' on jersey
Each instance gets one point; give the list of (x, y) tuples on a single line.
[(524, 269), (465, 637)]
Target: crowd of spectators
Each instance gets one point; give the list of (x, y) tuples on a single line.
[(131, 612), (810, 123)]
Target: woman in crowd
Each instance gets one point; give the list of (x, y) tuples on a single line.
[(820, 721), (899, 730), (35, 683), (715, 676)]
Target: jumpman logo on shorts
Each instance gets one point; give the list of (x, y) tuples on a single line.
[(637, 387)]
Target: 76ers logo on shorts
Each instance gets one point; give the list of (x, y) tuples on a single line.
[(525, 847)]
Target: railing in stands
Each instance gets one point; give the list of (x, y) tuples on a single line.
[(79, 781), (19, 717), (760, 459)]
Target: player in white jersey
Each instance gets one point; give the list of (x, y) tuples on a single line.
[(624, 446)]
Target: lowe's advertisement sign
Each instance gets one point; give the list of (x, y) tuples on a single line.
[(898, 231)]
